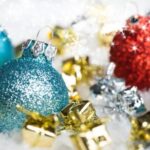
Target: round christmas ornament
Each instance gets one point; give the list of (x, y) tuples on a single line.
[(6, 48), (130, 51), (32, 82)]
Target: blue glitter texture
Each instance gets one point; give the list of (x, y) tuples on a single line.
[(33, 83)]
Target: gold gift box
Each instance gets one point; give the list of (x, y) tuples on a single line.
[(72, 89), (78, 70), (62, 37), (81, 69), (92, 139), (77, 113), (141, 128), (39, 130), (88, 131)]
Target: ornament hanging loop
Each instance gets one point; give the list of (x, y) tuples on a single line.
[(110, 69), (50, 51), (78, 20), (41, 29), (136, 9)]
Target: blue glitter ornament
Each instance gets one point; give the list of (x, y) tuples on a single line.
[(6, 48), (31, 82)]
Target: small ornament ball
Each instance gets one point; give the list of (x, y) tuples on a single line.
[(6, 48), (32, 82), (130, 51)]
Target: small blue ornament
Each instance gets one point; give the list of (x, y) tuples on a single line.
[(6, 48), (31, 82)]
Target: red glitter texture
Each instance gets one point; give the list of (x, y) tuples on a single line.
[(130, 51)]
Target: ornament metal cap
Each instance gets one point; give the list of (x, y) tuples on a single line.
[(39, 47)]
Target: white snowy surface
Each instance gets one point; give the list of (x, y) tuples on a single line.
[(23, 18)]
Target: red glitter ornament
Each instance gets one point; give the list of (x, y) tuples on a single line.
[(130, 51)]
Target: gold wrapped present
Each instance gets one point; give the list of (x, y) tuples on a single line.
[(80, 69), (141, 128), (76, 114), (39, 130), (62, 37), (72, 89), (136, 146), (140, 132), (94, 138), (89, 132)]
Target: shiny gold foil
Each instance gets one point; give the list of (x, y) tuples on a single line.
[(105, 39), (76, 114), (72, 87), (136, 146), (89, 132), (141, 128), (93, 139), (39, 130), (80, 69), (84, 111), (74, 96), (62, 37)]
